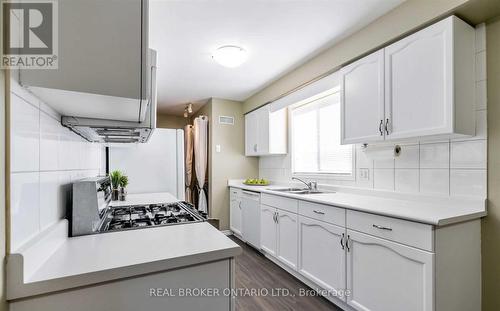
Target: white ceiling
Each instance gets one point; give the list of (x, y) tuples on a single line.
[(279, 35)]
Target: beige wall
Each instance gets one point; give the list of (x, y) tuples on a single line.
[(231, 162), (411, 15), (491, 224), (170, 121)]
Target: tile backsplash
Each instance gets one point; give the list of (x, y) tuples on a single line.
[(445, 167), (45, 158)]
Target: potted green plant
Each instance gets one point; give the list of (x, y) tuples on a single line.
[(115, 177), (123, 185)]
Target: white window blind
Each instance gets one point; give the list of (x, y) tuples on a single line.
[(316, 139)]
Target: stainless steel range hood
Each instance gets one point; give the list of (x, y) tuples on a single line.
[(111, 131), (114, 131)]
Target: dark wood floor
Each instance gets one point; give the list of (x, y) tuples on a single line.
[(255, 272)]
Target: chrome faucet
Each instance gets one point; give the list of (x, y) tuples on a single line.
[(312, 186)]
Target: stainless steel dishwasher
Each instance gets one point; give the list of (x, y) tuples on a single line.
[(250, 206)]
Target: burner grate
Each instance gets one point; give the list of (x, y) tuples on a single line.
[(140, 216)]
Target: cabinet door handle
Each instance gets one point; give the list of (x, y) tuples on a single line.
[(382, 227), (277, 217), (387, 127), (380, 127), (255, 147), (342, 241), (274, 217), (239, 205), (319, 212), (347, 243)]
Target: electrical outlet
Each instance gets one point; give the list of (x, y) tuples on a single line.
[(364, 174), (217, 148)]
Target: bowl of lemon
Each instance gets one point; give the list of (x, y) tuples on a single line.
[(256, 182)]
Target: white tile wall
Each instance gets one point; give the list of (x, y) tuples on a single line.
[(472, 182), (407, 180), (409, 157), (25, 139), (435, 181), (435, 155), (383, 178), (45, 158), (444, 167), (24, 207)]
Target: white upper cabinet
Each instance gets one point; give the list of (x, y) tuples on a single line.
[(251, 133), (103, 61), (428, 82), (265, 132), (362, 99)]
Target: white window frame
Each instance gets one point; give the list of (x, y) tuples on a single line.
[(318, 175)]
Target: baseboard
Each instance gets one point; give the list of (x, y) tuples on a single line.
[(227, 232)]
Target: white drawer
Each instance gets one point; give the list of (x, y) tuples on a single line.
[(234, 192), (326, 213), (402, 231), (283, 203)]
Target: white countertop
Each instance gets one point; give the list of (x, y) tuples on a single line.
[(438, 211), (54, 262), (145, 198)]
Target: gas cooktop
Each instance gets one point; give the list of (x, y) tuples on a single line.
[(140, 216)]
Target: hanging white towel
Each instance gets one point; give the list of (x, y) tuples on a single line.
[(200, 129)]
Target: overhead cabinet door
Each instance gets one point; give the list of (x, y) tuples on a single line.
[(429, 81), (251, 133), (362, 100), (102, 61), (383, 275), (265, 132), (420, 86)]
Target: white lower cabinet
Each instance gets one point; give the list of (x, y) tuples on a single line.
[(383, 275), (370, 262), (287, 238), (235, 215), (268, 231), (322, 255), (278, 234)]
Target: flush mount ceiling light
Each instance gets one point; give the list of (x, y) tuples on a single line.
[(230, 56)]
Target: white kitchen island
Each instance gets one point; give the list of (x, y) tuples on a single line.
[(143, 269)]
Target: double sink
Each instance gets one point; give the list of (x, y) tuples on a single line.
[(298, 191)]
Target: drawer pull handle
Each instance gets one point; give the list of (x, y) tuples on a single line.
[(319, 212), (382, 228)]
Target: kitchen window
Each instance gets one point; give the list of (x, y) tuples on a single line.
[(315, 138)]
